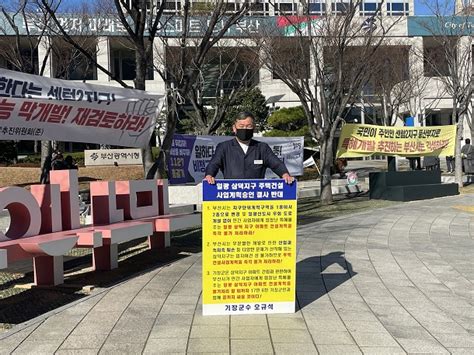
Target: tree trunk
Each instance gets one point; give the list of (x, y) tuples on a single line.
[(46, 151), (326, 158), (167, 140), (158, 170), (458, 159), (140, 84)]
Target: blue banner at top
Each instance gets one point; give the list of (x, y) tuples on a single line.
[(440, 26), (249, 190)]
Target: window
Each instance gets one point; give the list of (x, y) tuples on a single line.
[(398, 9), (256, 8), (368, 8), (71, 64), (10, 56), (286, 8), (435, 62), (317, 8), (292, 57), (170, 7), (123, 63), (339, 7)]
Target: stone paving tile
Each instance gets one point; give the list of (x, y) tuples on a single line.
[(332, 338), (77, 352), (37, 347), (296, 336), (460, 351), (374, 339), (382, 350), (88, 341), (399, 331), (51, 333), (250, 320), (98, 316), (290, 323), (10, 342), (456, 340), (209, 331), (425, 346), (294, 348), (174, 319), (199, 319), (249, 332), (170, 331), (325, 325), (363, 326), (166, 346), (169, 308), (209, 345), (138, 335), (122, 348), (244, 346), (338, 349)]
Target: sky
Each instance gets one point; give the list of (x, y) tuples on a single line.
[(421, 8), (420, 5)]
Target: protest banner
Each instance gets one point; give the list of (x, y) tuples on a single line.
[(249, 247), (189, 155), (359, 140), (33, 107)]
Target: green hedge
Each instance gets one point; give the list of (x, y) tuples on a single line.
[(36, 158)]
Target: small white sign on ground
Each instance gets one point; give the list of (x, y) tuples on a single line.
[(107, 157)]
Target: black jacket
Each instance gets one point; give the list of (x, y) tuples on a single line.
[(234, 164)]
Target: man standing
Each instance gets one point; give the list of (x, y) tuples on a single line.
[(467, 154), (450, 163), (243, 157)]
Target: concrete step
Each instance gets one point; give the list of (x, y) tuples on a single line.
[(336, 190), (334, 182), (181, 209), (449, 179)]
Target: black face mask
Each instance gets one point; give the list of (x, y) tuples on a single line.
[(244, 134)]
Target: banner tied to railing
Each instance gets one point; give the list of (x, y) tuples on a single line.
[(34, 107), (359, 140)]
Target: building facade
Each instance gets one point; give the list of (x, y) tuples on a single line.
[(431, 105)]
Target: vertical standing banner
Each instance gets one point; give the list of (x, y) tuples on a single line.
[(249, 247)]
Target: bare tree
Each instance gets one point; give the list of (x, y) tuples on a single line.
[(144, 23), (400, 90), (182, 81), (326, 63), (449, 58), (19, 50), (227, 71)]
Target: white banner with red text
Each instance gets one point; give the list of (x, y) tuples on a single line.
[(33, 107)]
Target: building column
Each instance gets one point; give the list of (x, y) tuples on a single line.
[(44, 54), (103, 58), (466, 74), (416, 73), (159, 61), (265, 79)]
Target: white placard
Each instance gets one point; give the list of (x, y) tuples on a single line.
[(97, 157)]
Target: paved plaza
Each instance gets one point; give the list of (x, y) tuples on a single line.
[(391, 281)]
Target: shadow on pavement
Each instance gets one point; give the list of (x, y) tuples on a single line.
[(18, 305), (318, 275)]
